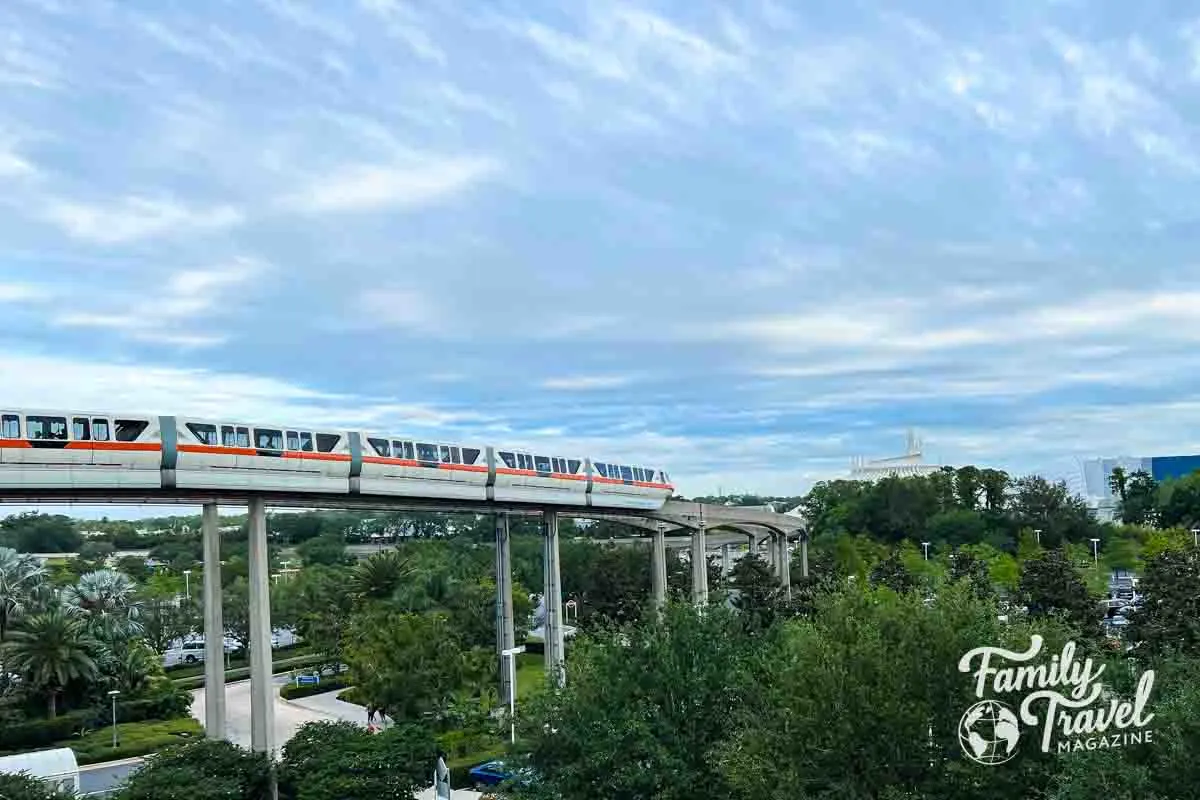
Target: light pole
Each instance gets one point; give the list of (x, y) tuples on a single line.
[(113, 695), (1096, 551), (1038, 533), (926, 546), (511, 655), (1195, 537), (187, 584)]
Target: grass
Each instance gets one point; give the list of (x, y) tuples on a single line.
[(133, 739), (531, 674)]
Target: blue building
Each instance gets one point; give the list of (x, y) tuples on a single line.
[(1097, 471)]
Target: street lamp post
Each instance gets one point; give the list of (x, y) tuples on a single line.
[(511, 655), (1096, 551), (1195, 537), (187, 584), (113, 695), (926, 546), (1038, 533)]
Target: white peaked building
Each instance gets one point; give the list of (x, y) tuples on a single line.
[(912, 463)]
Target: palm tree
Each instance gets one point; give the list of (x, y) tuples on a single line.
[(381, 575), (20, 576), (106, 600), (50, 650)]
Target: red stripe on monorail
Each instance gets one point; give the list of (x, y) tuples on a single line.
[(408, 462), (138, 447)]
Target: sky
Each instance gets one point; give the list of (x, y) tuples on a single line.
[(745, 241)]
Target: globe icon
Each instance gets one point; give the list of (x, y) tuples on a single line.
[(989, 732)]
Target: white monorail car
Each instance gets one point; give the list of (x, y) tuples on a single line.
[(77, 450)]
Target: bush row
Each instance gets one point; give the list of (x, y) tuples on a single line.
[(197, 681), (135, 739), (294, 692), (169, 704), (241, 660)]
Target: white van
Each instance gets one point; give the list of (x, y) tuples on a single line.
[(56, 768)]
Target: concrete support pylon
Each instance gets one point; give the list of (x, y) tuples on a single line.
[(552, 573), (262, 695), (785, 567), (658, 566), (214, 626), (772, 554), (726, 561), (505, 630), (804, 554), (700, 565)]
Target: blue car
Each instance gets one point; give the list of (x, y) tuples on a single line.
[(493, 773)]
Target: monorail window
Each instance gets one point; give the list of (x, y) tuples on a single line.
[(268, 439), (327, 441), (207, 434), (128, 430), (649, 474), (81, 431), (52, 428), (293, 440), (10, 427), (541, 463), (637, 473), (99, 429), (243, 437), (573, 465), (455, 455), (524, 461), (306, 441), (626, 474), (446, 454), (602, 469), (228, 436), (470, 455), (402, 450), (427, 452), (509, 460), (381, 446)]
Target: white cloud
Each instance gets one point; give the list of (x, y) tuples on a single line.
[(18, 293), (366, 187), (13, 166), (584, 383), (131, 219), (186, 297)]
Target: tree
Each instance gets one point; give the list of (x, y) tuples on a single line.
[(964, 566), (380, 576), (209, 769), (995, 489), (1139, 499), (235, 610), (50, 650), (19, 577), (324, 603), (405, 664), (1051, 507), (641, 712), (866, 694), (1117, 481), (892, 573), (23, 786), (163, 621), (968, 484), (1169, 618), (755, 592), (107, 602), (327, 549), (341, 761), (611, 583), (1050, 585), (40, 533)]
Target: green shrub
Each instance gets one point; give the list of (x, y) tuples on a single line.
[(339, 760), (208, 769), (294, 692), (353, 695), (133, 739), (25, 787)]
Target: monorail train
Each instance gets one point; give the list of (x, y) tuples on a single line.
[(78, 450)]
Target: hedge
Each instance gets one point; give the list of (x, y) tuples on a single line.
[(197, 682), (294, 692), (134, 739), (180, 671), (169, 704)]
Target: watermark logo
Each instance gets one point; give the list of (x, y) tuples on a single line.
[(1062, 698)]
